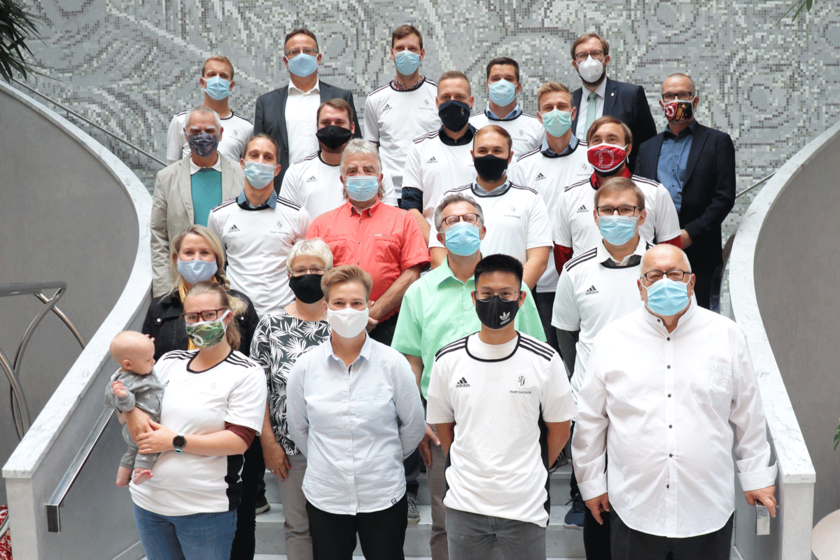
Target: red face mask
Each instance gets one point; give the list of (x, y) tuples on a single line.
[(606, 157), (678, 110)]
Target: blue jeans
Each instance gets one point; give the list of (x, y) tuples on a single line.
[(201, 536), (472, 536)]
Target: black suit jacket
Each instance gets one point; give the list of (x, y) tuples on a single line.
[(708, 190), (270, 117), (626, 102)]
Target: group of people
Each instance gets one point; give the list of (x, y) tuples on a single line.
[(340, 311)]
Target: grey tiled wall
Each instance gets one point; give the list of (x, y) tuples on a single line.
[(129, 65)]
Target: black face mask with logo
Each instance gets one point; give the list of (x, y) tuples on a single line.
[(496, 313)]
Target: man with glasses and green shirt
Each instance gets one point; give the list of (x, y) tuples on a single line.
[(437, 310)]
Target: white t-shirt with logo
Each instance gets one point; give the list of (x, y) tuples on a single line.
[(316, 186), (234, 391), (237, 131), (525, 131), (494, 394)]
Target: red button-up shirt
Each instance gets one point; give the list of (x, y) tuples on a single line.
[(382, 240)]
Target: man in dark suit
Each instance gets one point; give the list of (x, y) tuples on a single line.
[(697, 166), (627, 102), (288, 114)]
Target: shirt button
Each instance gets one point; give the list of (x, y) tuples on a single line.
[(669, 425), (669, 367), (670, 454), (669, 338), (667, 486), (669, 395)]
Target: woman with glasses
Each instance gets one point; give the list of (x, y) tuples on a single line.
[(212, 410), (280, 339)]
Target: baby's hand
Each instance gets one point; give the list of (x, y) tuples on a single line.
[(119, 389)]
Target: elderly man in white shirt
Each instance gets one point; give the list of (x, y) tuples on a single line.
[(670, 390)]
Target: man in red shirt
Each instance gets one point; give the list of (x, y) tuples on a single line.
[(383, 240)]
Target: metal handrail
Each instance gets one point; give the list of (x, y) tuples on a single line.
[(4, 526), (754, 185), (55, 502), (20, 409), (91, 123)]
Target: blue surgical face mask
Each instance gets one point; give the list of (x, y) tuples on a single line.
[(557, 123), (407, 62), (361, 188), (667, 297), (259, 175), (217, 88), (197, 270), (463, 239), (618, 230), (502, 93), (303, 64)]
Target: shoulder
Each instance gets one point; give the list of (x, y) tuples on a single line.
[(576, 185), (458, 346), (236, 118), (286, 203), (523, 189), (428, 136), (643, 182), (226, 206), (267, 97), (582, 258), (239, 359), (540, 349), (461, 189), (379, 90), (176, 357), (529, 118), (171, 171), (624, 87), (336, 91), (531, 154)]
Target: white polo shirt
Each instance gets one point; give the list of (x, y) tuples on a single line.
[(515, 218), (494, 394), (548, 174), (435, 168), (393, 118), (302, 120), (525, 130), (593, 291), (237, 131), (576, 228), (316, 186), (257, 243)]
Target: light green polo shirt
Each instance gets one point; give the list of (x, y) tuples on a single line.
[(438, 309)]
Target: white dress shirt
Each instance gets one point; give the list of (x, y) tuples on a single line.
[(355, 425), (667, 407), (583, 109), (302, 120)]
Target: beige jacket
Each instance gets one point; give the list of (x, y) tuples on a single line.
[(172, 211)]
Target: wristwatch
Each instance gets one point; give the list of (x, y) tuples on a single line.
[(178, 442)]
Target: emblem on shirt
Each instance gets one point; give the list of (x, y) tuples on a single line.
[(431, 160), (462, 383), (521, 133), (426, 101), (539, 177), (312, 179), (591, 291), (584, 168), (520, 380), (582, 209), (520, 383), (232, 229), (386, 107)]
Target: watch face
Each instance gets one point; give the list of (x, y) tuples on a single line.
[(179, 442)]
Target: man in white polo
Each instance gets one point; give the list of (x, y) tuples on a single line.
[(671, 395), (258, 229)]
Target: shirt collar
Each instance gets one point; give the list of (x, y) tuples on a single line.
[(633, 259), (657, 323), (509, 117), (548, 152), (363, 353), (194, 168), (297, 91), (444, 274), (243, 202), (370, 210), (600, 91), (465, 139), (683, 133), (498, 191), (593, 180), (395, 84)]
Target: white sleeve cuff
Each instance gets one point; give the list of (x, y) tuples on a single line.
[(593, 488), (758, 479)]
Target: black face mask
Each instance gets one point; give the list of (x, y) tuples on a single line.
[(307, 288), (333, 137), (496, 313), (203, 144), (454, 114), (490, 167)]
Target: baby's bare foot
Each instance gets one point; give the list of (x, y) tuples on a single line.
[(123, 476), (142, 475)]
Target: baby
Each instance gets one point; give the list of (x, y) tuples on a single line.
[(134, 384)]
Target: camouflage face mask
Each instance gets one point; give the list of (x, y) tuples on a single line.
[(208, 333)]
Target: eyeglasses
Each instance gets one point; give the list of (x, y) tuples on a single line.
[(624, 210), (207, 315), (199, 130), (469, 218), (306, 50), (657, 275), (581, 56), (681, 95), (313, 270), (506, 295)]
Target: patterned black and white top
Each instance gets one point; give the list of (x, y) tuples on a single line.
[(278, 342)]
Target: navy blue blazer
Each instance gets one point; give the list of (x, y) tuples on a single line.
[(626, 102), (270, 117), (708, 191)]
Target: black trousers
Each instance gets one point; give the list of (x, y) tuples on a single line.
[(381, 533), (545, 307), (629, 544), (384, 331), (244, 541)]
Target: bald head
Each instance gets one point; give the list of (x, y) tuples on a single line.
[(665, 257), (679, 79), (134, 352)]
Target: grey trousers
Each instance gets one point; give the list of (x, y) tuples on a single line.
[(134, 460), (298, 541), (437, 488), (472, 536)]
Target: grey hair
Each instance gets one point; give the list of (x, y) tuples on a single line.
[(452, 199), (204, 109), (314, 247), (359, 146)]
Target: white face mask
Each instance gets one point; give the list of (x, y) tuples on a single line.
[(347, 322), (590, 69)]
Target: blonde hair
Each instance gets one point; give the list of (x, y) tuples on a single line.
[(226, 301), (608, 119), (342, 275), (552, 87), (218, 58), (617, 185), (215, 246), (314, 247)]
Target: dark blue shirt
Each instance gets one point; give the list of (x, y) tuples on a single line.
[(673, 160)]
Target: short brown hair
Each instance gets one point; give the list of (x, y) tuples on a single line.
[(617, 185), (585, 37), (494, 129), (404, 31), (343, 274), (336, 103), (264, 136), (300, 31), (552, 87), (503, 60), (218, 58), (607, 119), (455, 75), (227, 302)]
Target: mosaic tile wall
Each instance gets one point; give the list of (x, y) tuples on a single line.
[(129, 65)]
